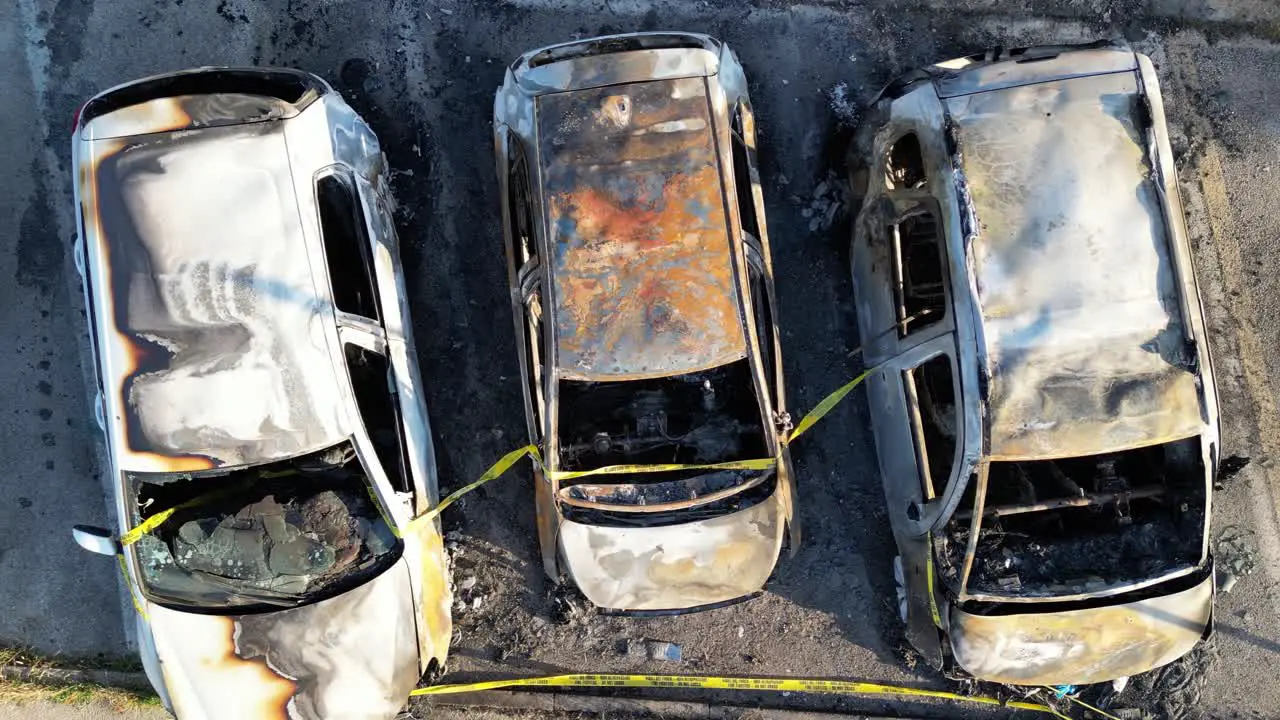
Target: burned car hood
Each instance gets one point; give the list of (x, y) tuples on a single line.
[(676, 566), (350, 656)]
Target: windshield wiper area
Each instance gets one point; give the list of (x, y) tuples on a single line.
[(255, 594)]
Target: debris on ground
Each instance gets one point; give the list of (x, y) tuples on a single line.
[(844, 105), (1172, 692), (567, 605), (825, 204), (1237, 554), (1228, 469), (660, 650)]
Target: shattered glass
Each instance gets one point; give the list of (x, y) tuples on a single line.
[(286, 533)]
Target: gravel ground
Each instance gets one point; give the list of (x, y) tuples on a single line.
[(424, 74)]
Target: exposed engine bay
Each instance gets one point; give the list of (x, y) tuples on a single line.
[(705, 417), (1080, 525), (699, 418)]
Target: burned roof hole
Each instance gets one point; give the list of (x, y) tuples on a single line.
[(346, 244), (1082, 524), (262, 537), (904, 169), (710, 416)]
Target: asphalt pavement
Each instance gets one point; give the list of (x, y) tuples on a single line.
[(423, 74)]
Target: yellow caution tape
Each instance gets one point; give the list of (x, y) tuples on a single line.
[(155, 521), (1085, 705), (510, 459), (713, 682), (495, 470), (128, 586), (824, 407)]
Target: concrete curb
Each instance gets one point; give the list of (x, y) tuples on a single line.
[(57, 676)]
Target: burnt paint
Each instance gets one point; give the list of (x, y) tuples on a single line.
[(351, 656), (158, 312), (126, 256), (643, 276)]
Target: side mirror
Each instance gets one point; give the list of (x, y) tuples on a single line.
[(95, 539)]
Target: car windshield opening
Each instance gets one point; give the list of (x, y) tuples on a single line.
[(712, 416), (1080, 525), (281, 534)]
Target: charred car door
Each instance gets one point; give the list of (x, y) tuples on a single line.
[(371, 313), (527, 298), (763, 302), (900, 266)]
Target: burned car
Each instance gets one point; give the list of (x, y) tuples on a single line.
[(1043, 402), (643, 295), (259, 397)]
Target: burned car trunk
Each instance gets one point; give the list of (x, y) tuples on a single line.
[(1045, 414), (638, 262)]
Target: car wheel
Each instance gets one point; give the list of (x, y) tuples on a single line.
[(900, 587)]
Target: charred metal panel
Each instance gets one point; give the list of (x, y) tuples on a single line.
[(187, 112), (433, 597), (676, 566), (963, 76), (218, 356), (659, 496), (352, 656), (1080, 305), (1079, 647), (644, 283), (617, 59)]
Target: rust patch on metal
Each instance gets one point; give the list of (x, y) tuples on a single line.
[(643, 278), (436, 596)]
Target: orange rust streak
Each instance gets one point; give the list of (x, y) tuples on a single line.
[(639, 270), (600, 215), (436, 630)]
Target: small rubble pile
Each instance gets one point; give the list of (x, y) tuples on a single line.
[(824, 205)]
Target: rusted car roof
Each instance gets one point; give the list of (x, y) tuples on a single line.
[(212, 352), (643, 277), (1081, 313)]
